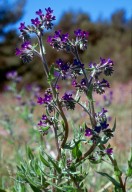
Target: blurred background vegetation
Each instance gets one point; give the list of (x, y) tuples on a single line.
[(107, 39)]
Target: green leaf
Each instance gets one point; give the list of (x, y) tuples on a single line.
[(76, 152), (54, 163), (58, 169), (32, 181), (51, 74), (46, 163), (45, 128), (114, 127), (35, 189), (29, 153), (110, 179)]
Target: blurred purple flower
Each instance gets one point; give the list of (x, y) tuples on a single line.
[(88, 132), (109, 151)]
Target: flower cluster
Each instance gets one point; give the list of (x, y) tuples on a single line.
[(38, 24), (99, 86), (44, 21), (45, 124), (25, 52), (81, 39), (46, 99), (61, 41), (68, 101), (101, 120)]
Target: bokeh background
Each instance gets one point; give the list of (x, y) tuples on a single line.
[(108, 22)]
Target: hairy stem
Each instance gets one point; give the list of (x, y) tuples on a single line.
[(57, 143), (66, 127)]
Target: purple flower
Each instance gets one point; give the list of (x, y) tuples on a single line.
[(107, 65), (35, 22), (42, 123), (68, 101), (49, 10), (83, 82), (80, 33), (39, 12), (18, 52), (48, 18), (57, 87), (47, 96), (104, 125), (59, 41), (109, 151), (67, 97), (99, 86), (81, 40), (44, 117), (88, 132), (102, 112), (26, 45), (97, 129), (11, 75), (40, 100), (63, 66), (22, 26), (74, 83), (77, 63), (92, 65)]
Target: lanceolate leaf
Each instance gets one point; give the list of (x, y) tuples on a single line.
[(110, 179), (35, 189), (46, 163), (54, 163)]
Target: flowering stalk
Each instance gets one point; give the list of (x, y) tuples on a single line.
[(65, 172)]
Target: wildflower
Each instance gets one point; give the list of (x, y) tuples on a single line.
[(26, 45), (109, 151), (88, 132), (39, 12), (35, 22), (83, 82), (107, 65), (18, 52), (59, 41), (81, 40), (99, 86), (40, 100), (13, 75), (81, 34), (63, 67), (97, 129), (22, 26), (74, 83), (44, 117), (68, 101), (78, 63)]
